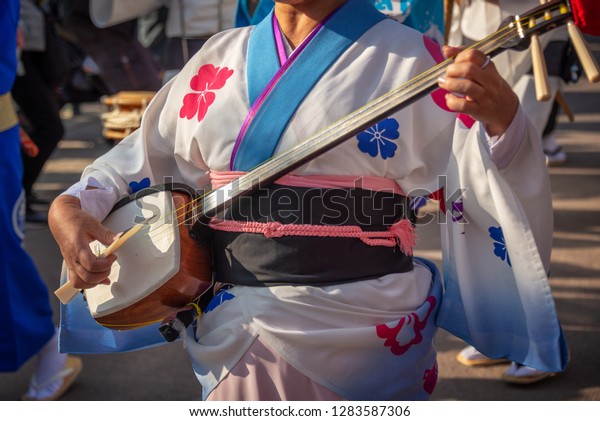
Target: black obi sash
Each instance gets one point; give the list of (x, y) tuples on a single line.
[(253, 259)]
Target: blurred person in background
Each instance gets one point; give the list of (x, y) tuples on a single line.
[(44, 67), (27, 329), (188, 23), (122, 62)]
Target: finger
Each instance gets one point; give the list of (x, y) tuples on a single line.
[(472, 65), (465, 70), (471, 56), (101, 233), (462, 88), (92, 263), (75, 280), (469, 80), (79, 282), (449, 51), (462, 105), (84, 279), (487, 62)]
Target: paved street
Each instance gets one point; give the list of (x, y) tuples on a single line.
[(165, 373)]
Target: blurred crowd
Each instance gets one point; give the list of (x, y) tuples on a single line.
[(76, 51)]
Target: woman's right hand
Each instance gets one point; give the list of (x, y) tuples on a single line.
[(74, 230)]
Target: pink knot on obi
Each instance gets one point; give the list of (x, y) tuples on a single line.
[(401, 233)]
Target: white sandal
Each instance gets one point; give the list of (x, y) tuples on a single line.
[(68, 375), (470, 357), (521, 374)]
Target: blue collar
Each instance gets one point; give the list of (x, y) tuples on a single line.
[(270, 116)]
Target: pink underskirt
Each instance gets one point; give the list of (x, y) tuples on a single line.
[(263, 375)]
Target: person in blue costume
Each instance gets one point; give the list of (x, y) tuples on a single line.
[(426, 16), (26, 325), (250, 12)]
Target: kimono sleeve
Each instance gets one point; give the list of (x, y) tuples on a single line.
[(496, 253), (148, 156), (144, 158)]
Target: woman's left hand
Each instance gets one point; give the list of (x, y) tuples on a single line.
[(477, 89)]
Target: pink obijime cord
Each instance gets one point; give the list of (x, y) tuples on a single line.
[(401, 233)]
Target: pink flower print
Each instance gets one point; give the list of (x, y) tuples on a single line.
[(430, 379), (435, 50), (439, 95), (407, 331), (208, 79)]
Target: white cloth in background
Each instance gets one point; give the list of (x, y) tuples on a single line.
[(201, 18)]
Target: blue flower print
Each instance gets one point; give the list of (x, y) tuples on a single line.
[(499, 244), (387, 6), (417, 203), (136, 186), (378, 139), (222, 296), (382, 5)]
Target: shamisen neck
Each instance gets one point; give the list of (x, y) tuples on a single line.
[(364, 117)]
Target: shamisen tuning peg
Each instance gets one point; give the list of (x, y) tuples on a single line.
[(540, 71)]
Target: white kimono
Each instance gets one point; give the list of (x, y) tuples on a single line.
[(371, 339)]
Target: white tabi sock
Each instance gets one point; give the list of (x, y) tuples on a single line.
[(549, 142), (49, 362)]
